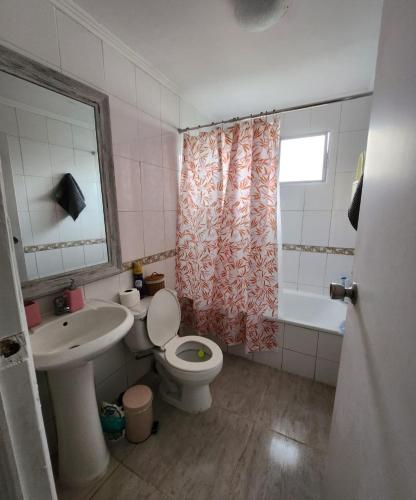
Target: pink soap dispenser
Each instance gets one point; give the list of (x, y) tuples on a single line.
[(74, 297)]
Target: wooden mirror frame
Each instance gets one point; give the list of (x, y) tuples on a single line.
[(15, 64)]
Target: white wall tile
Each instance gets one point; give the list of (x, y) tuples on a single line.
[(95, 254), (125, 129), (329, 346), (131, 235), (31, 27), (92, 224), (342, 234), (311, 289), (73, 258), (325, 118), (39, 193), (31, 266), (8, 122), (36, 159), (119, 75), (355, 114), (86, 166), (154, 232), (84, 138), (150, 139), (169, 107), (291, 226), (25, 228), (289, 267), (170, 151), (312, 268), (318, 196), (45, 227), (148, 93), (15, 155), (291, 197), (152, 187), (315, 228), (126, 280), (69, 229), (62, 161), (269, 358), (31, 125), (105, 289), (295, 123), (299, 364), (128, 185), (170, 186), (287, 285), (342, 190), (81, 51), (170, 229), (337, 266), (351, 144), (49, 262), (300, 339), (59, 133), (19, 185), (326, 372)]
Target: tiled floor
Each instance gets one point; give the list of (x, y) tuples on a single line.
[(263, 439)]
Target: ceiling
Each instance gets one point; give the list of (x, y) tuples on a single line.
[(319, 50)]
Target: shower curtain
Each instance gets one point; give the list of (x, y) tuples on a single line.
[(226, 249)]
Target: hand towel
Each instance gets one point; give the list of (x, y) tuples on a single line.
[(69, 195)]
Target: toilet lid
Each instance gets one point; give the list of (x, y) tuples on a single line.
[(163, 317)]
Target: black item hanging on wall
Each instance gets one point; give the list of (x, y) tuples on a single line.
[(69, 195), (354, 210)]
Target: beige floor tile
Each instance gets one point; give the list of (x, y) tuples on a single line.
[(298, 408), (241, 386), (86, 492), (125, 485), (273, 467)]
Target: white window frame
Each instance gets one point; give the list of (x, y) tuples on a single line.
[(325, 159)]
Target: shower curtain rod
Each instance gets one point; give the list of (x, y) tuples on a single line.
[(275, 111)]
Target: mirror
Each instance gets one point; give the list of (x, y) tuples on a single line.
[(56, 163)]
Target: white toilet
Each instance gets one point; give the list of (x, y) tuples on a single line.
[(187, 365)]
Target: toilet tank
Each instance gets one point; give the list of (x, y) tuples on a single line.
[(137, 339)]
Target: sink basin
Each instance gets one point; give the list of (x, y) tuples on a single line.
[(73, 339), (65, 346)]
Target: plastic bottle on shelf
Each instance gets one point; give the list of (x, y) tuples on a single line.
[(138, 277)]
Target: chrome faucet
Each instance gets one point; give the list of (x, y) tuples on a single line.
[(60, 305)]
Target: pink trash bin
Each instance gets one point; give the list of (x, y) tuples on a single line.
[(138, 411)]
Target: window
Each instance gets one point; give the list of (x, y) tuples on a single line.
[(303, 159)]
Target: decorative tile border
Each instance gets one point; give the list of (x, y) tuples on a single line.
[(150, 259), (318, 249), (62, 244)]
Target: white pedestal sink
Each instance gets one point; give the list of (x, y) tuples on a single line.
[(65, 346)]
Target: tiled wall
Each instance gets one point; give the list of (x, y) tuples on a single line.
[(316, 213), (41, 150), (144, 116), (306, 352)]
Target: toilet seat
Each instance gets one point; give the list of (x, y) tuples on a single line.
[(175, 361)]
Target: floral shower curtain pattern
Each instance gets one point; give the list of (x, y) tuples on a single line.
[(226, 263)]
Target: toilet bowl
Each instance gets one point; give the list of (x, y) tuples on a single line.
[(187, 365)]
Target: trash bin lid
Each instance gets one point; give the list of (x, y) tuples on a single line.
[(137, 397)]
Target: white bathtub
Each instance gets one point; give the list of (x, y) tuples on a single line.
[(311, 311), (310, 336)]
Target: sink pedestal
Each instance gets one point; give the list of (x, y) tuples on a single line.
[(82, 451)]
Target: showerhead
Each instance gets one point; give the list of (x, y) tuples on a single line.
[(259, 15)]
